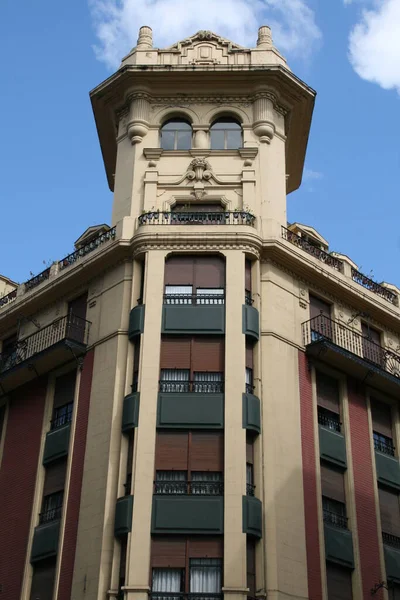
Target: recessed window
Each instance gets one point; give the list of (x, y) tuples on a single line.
[(226, 134), (176, 134)]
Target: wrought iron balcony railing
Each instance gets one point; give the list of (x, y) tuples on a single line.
[(62, 416), (198, 488), (93, 245), (305, 245), (184, 596), (31, 283), (323, 328), (383, 444), (197, 218), (8, 298), (195, 299), (335, 519), (249, 388), (391, 540), (52, 514), (250, 489), (371, 285), (247, 298), (185, 386), (329, 420), (70, 328)]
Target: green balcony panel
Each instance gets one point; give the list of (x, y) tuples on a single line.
[(193, 318), (251, 413), (387, 470), (188, 514), (130, 412), (251, 322), (392, 562), (45, 541), (190, 410), (332, 446), (57, 444), (339, 546), (123, 516), (136, 321), (252, 516)]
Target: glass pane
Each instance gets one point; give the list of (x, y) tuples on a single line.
[(211, 295), (167, 140), (209, 483), (176, 124), (171, 482), (167, 580), (217, 140), (178, 294), (226, 124), (205, 575), (174, 380), (184, 140), (233, 139)]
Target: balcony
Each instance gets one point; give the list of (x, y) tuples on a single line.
[(49, 347), (332, 445), (351, 352), (184, 596), (251, 410), (304, 244), (194, 313), (251, 322), (252, 515), (374, 287), (188, 507), (123, 516), (136, 321), (46, 534), (391, 547), (10, 297), (387, 467), (191, 404), (99, 240), (57, 443), (197, 218), (130, 412)]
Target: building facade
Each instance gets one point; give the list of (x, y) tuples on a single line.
[(201, 400)]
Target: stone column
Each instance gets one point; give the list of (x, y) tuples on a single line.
[(139, 541), (235, 572), (138, 124)]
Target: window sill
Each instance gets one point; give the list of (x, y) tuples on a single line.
[(156, 153)]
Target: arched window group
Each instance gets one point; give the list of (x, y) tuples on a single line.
[(225, 134)]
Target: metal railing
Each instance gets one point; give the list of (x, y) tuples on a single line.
[(62, 416), (197, 218), (335, 519), (323, 328), (38, 279), (87, 248), (8, 298), (371, 285), (52, 514), (185, 386), (184, 596), (247, 298), (198, 488), (71, 327), (194, 299), (391, 540), (383, 444), (305, 245), (249, 388), (250, 489), (329, 421)]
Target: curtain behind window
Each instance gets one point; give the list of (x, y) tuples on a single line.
[(207, 483), (178, 294), (212, 295), (171, 482), (207, 382), (168, 581), (205, 575), (174, 380)]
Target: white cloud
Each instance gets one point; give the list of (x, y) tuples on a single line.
[(374, 44), (116, 23), (310, 175)]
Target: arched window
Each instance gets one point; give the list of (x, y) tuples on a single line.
[(176, 134), (226, 134)]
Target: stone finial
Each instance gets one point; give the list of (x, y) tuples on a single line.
[(264, 37), (145, 39)]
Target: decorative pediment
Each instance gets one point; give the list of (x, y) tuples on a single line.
[(205, 47), (312, 233), (90, 233)]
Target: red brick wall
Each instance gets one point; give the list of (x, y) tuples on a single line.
[(74, 496), (17, 482), (364, 488), (309, 481)]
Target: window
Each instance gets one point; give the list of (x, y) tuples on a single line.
[(178, 294), (63, 403), (334, 512), (249, 480), (226, 134), (389, 504), (62, 415), (249, 381), (247, 283), (383, 444), (320, 315), (171, 482), (339, 582), (333, 496), (205, 576), (51, 508), (207, 483), (168, 581), (198, 279), (174, 380), (371, 344), (382, 427), (176, 134), (207, 382), (43, 579), (328, 399)]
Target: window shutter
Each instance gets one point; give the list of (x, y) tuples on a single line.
[(249, 355), (78, 306), (332, 483), (206, 548), (381, 418), (249, 452), (318, 306), (168, 552), (43, 580), (251, 567), (175, 353), (390, 511), (207, 451), (54, 480), (373, 334), (328, 392), (64, 389), (339, 582), (171, 451), (209, 272), (247, 275), (179, 270), (208, 354)]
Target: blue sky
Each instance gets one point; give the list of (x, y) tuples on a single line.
[(53, 54)]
